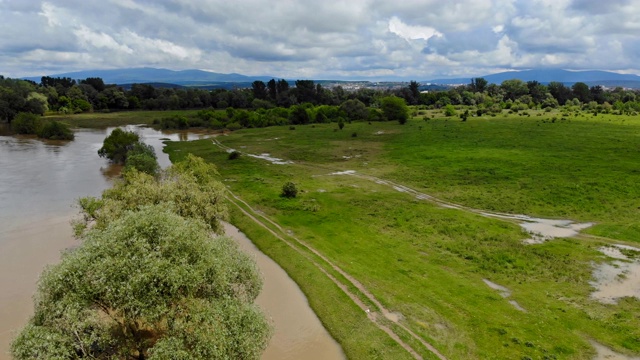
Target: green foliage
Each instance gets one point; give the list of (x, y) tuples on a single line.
[(189, 188), (375, 115), (449, 110), (55, 130), (234, 126), (289, 190), (118, 144), (143, 163), (394, 108), (148, 281), (142, 157), (173, 122), (150, 277), (354, 110), (299, 115), (27, 123), (234, 155)]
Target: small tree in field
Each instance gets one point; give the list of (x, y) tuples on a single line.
[(289, 190), (449, 110)]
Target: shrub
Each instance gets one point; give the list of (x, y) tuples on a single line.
[(143, 158), (55, 130), (449, 110), (289, 190), (234, 155), (143, 163), (234, 126), (26, 123), (118, 144), (395, 108)]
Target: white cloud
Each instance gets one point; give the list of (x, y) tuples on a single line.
[(51, 14), (100, 40), (411, 32), (295, 38)]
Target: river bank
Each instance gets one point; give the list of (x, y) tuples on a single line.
[(39, 184)]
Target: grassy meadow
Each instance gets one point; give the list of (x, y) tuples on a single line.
[(117, 118), (427, 262), (424, 262)]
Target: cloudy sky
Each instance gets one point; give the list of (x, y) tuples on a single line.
[(326, 39)]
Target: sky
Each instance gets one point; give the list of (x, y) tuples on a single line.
[(320, 39)]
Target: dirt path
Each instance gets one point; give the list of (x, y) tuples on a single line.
[(374, 316)]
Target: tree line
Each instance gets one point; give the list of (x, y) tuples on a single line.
[(65, 95)]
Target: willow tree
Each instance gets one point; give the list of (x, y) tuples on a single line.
[(147, 283), (189, 188)]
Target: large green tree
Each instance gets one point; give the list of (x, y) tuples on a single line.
[(394, 108), (150, 285), (148, 280)]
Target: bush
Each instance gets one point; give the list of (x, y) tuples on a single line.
[(449, 110), (143, 163), (234, 126), (395, 108), (173, 122), (118, 144), (55, 130), (26, 123), (142, 157), (234, 155), (289, 190)]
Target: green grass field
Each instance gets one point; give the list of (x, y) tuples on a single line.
[(427, 262), (118, 118)]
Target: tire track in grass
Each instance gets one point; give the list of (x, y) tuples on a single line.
[(371, 315)]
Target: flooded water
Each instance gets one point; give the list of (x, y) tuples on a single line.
[(618, 278), (299, 333), (39, 184)]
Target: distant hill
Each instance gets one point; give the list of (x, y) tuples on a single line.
[(548, 75), (153, 75)]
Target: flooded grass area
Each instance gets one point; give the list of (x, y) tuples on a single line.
[(619, 278), (424, 213)]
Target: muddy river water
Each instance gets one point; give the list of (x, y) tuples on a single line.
[(39, 182)]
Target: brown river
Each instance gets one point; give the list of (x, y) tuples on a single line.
[(39, 183)]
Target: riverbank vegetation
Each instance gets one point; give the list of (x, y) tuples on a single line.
[(125, 148), (32, 124), (427, 263), (147, 280)]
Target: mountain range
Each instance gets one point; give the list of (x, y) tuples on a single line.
[(153, 75), (201, 78), (545, 76)]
